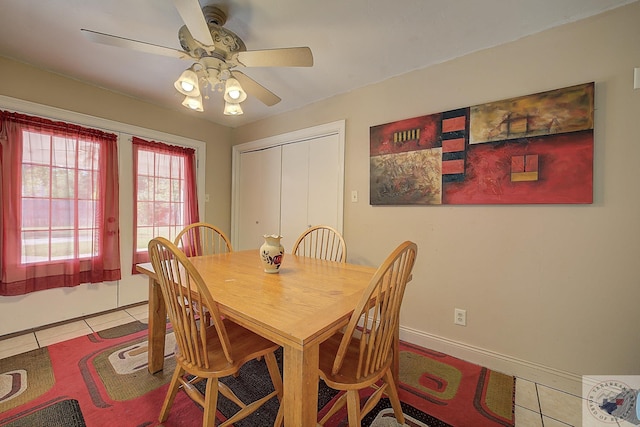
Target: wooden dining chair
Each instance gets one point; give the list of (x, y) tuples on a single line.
[(206, 350), (321, 241), (201, 238), (363, 353)]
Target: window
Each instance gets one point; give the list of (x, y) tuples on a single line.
[(59, 198), (59, 205), (165, 193)]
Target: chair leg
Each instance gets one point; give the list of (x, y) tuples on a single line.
[(210, 403), (338, 404), (279, 416), (392, 392), (353, 408), (274, 372), (171, 394)]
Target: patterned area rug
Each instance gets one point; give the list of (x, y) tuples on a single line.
[(102, 379)]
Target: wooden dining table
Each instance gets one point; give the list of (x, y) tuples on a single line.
[(303, 304)]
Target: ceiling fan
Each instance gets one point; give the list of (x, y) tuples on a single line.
[(216, 53)]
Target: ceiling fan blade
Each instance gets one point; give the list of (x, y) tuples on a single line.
[(192, 16), (117, 41), (285, 57), (256, 89)]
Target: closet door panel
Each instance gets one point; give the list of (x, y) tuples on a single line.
[(259, 197), (325, 191), (295, 192)]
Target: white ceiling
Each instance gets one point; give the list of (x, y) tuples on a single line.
[(354, 42)]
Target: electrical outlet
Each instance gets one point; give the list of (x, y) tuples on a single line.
[(460, 317)]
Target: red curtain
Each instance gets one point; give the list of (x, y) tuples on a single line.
[(59, 215), (165, 193)]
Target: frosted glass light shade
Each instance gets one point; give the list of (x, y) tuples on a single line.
[(233, 92), (231, 109), (193, 102), (187, 83)]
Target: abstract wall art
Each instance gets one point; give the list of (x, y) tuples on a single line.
[(533, 149)]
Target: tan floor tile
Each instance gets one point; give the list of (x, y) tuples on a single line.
[(63, 332), (120, 316), (113, 323), (550, 422), (139, 311), (527, 418), (527, 395), (560, 406), (17, 345)]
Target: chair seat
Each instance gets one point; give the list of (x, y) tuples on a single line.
[(245, 343), (346, 377)]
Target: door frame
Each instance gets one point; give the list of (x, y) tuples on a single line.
[(327, 129)]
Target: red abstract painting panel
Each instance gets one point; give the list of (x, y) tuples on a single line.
[(535, 149)]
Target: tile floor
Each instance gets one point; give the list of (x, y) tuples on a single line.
[(536, 405)]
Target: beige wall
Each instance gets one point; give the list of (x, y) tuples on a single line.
[(24, 82), (554, 285)]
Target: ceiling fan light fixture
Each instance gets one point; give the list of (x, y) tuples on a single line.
[(187, 83), (232, 109), (193, 102), (233, 92)]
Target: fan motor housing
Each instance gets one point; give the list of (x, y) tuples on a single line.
[(225, 42)]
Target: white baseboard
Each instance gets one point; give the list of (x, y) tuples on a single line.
[(551, 377)]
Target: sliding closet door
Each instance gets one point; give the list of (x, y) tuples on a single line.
[(286, 183), (311, 193), (258, 197)]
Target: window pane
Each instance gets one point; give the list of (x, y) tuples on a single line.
[(64, 152), (87, 184), (35, 246), (36, 148), (176, 190), (163, 165), (35, 213), (163, 190), (145, 188), (62, 214), (35, 180), (161, 214), (87, 247), (62, 183), (177, 213), (163, 232), (62, 245), (145, 234), (88, 155), (145, 214), (145, 162), (86, 214)]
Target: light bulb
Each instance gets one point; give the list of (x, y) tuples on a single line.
[(188, 87)]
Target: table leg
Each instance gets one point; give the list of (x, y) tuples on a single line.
[(301, 386), (157, 327)]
